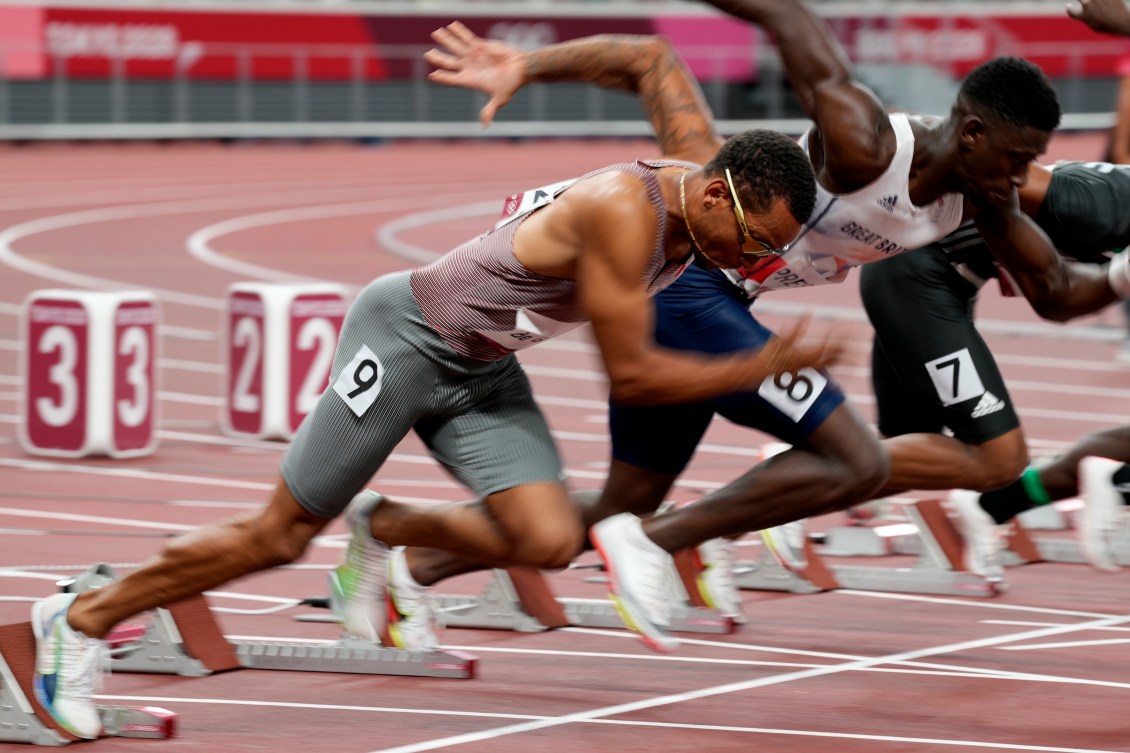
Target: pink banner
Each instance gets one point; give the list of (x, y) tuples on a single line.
[(343, 46)]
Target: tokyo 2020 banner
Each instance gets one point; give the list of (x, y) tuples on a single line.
[(40, 42)]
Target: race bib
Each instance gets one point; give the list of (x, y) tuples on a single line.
[(360, 381), (793, 394), (530, 328), (955, 377)]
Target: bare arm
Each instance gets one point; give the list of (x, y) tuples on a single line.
[(1111, 17), (1056, 288), (1120, 134), (647, 65), (618, 238), (853, 124), (1107, 16)]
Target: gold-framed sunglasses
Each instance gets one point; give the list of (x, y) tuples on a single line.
[(761, 248)]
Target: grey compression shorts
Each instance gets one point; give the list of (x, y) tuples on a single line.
[(392, 373)]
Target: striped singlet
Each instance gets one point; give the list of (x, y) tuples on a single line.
[(486, 305)]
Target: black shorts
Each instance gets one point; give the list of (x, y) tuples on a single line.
[(930, 368)]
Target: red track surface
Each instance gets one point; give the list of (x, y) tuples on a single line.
[(809, 673)]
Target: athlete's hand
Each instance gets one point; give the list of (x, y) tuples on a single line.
[(795, 348), (494, 68), (1107, 16)]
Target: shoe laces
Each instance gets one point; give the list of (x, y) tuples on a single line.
[(720, 568), (86, 661), (794, 534), (655, 581)]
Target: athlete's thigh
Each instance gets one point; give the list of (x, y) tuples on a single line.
[(922, 312), (718, 321), (898, 408), (494, 436), (380, 385)]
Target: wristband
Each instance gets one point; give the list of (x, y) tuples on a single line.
[(1118, 274)]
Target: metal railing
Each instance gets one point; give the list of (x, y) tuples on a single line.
[(342, 91)]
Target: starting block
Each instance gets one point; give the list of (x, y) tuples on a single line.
[(940, 569), (25, 721), (185, 639), (520, 599), (1050, 548), (89, 376), (280, 341)]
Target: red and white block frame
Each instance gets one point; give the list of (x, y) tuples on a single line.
[(279, 347), (89, 373)]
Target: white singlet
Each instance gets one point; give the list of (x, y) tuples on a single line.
[(845, 230)]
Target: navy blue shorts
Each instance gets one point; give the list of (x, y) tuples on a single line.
[(704, 312)]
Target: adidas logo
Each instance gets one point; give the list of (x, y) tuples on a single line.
[(989, 403), (888, 202)]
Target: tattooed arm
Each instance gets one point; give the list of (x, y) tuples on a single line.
[(647, 65)]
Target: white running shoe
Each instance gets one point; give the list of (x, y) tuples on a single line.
[(786, 543), (68, 667), (411, 616), (980, 535), (716, 582), (358, 585), (640, 575), (1103, 513)]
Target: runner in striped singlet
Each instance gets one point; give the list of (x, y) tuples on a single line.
[(432, 351)]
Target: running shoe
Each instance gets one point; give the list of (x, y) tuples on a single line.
[(358, 585), (68, 667), (786, 543), (640, 575), (1103, 514), (716, 581), (980, 535), (411, 616)]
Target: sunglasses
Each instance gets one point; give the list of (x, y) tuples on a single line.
[(760, 247)]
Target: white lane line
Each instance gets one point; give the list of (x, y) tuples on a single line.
[(199, 247), (1067, 644), (1024, 623), (126, 522), (735, 687), (536, 719), (918, 665), (54, 467), (978, 604)]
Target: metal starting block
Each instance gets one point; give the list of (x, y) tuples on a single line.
[(520, 599), (23, 720), (1063, 549), (185, 639), (1023, 545), (940, 569)]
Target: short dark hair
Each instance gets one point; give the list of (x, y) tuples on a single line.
[(1012, 90), (770, 166)]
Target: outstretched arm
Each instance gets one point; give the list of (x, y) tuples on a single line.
[(1056, 288), (1107, 16), (646, 65), (618, 234), (858, 142)]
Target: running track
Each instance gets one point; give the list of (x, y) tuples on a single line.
[(1042, 668)]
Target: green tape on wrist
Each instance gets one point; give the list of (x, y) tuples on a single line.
[(1034, 487)]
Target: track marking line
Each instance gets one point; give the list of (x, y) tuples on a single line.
[(535, 719), (666, 700)]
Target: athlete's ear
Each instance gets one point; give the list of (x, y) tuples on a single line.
[(973, 129), (717, 191)]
